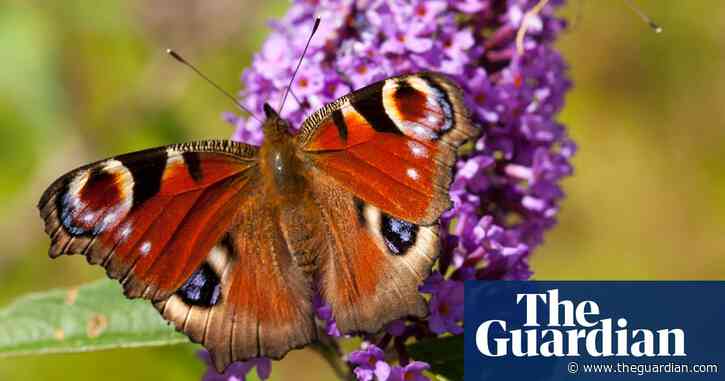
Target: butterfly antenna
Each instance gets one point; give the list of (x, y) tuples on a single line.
[(284, 98), (643, 16), (181, 59), (521, 33)]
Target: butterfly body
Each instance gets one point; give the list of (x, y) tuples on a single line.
[(230, 242), (286, 180)]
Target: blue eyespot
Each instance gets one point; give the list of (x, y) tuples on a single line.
[(202, 288), (398, 235)]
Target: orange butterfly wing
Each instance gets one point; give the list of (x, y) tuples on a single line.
[(369, 271), (382, 159), (264, 303), (128, 212), (393, 143)]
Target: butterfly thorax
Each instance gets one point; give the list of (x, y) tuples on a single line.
[(280, 164)]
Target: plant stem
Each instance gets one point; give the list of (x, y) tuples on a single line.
[(330, 351)]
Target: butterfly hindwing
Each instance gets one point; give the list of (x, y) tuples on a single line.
[(263, 303), (373, 263), (392, 143)]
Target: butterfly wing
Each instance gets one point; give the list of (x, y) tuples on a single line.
[(372, 263), (392, 143), (263, 304), (382, 158), (129, 212)]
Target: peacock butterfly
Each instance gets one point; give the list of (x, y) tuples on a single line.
[(229, 241)]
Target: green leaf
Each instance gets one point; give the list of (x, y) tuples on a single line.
[(92, 317), (445, 356)]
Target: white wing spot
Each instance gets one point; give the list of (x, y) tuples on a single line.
[(108, 220), (412, 173), (145, 248), (417, 149), (126, 231)]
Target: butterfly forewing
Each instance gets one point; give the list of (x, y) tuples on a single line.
[(127, 212), (392, 143)]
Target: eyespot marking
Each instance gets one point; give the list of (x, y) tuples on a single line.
[(96, 199), (398, 235), (203, 288), (418, 106)]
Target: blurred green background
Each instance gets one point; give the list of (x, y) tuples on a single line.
[(82, 80)]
